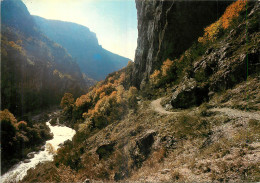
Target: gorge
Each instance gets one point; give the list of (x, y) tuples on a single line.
[(186, 110)]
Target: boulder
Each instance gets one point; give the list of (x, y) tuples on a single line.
[(27, 161), (30, 155), (189, 94), (142, 147), (105, 150)]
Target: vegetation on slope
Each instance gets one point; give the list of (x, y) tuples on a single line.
[(35, 71), (202, 143), (19, 138)]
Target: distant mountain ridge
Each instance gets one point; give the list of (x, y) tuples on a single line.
[(35, 71), (95, 61)]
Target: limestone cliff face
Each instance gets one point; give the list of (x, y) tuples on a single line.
[(167, 28)]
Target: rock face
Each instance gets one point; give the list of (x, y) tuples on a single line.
[(142, 147), (189, 94), (167, 28), (105, 150)]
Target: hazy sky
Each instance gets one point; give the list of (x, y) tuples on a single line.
[(113, 21)]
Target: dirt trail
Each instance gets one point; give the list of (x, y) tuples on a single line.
[(237, 113), (156, 106)]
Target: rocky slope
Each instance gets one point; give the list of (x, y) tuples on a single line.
[(82, 44), (168, 28)]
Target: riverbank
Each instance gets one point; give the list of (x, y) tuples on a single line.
[(26, 138), (60, 135)]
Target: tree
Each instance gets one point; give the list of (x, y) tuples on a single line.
[(5, 115), (8, 130), (67, 101), (232, 12), (166, 67)]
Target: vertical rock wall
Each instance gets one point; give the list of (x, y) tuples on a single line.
[(167, 28)]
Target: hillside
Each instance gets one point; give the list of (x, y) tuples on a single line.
[(195, 117), (82, 44), (35, 71)]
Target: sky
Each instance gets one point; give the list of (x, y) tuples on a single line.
[(113, 21)]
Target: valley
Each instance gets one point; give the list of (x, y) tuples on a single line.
[(186, 110)]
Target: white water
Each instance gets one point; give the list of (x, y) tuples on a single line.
[(60, 135)]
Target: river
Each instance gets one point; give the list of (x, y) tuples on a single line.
[(18, 171)]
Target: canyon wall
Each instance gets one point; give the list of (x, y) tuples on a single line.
[(167, 28)]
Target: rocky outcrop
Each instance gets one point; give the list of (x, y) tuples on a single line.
[(142, 148), (105, 149), (167, 28), (189, 94)]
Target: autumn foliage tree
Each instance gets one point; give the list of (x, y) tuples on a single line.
[(67, 101), (105, 103), (164, 75), (155, 77), (232, 12), (8, 128)]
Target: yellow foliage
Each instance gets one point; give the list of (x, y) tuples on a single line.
[(154, 78), (166, 66), (121, 78), (211, 32), (232, 12), (120, 94), (102, 88), (7, 116), (82, 100), (102, 95), (67, 100), (111, 79), (85, 115)]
